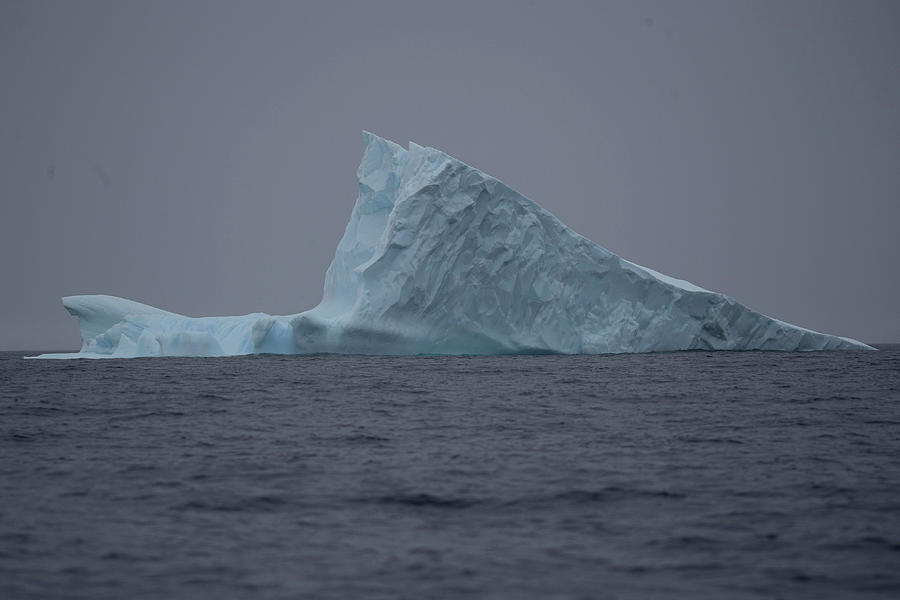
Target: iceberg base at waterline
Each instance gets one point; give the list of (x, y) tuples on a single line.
[(440, 258)]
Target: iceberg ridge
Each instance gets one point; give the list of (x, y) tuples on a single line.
[(440, 258)]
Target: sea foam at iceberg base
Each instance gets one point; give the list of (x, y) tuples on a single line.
[(440, 258)]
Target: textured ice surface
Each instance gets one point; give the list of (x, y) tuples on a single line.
[(440, 258)]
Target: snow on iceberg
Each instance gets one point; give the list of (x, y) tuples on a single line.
[(440, 258)]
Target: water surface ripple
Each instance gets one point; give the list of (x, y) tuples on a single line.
[(690, 475)]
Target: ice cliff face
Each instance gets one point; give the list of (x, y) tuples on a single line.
[(440, 258)]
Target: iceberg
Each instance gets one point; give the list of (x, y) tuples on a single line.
[(440, 258)]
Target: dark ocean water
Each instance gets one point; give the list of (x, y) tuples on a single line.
[(682, 475)]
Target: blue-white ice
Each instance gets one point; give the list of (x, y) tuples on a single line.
[(440, 258)]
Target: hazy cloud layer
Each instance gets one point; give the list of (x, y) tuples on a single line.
[(201, 156)]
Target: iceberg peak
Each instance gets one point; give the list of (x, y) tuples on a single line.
[(441, 258)]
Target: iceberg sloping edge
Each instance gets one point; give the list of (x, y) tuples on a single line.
[(440, 258)]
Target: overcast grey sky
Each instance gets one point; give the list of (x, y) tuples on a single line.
[(201, 156)]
